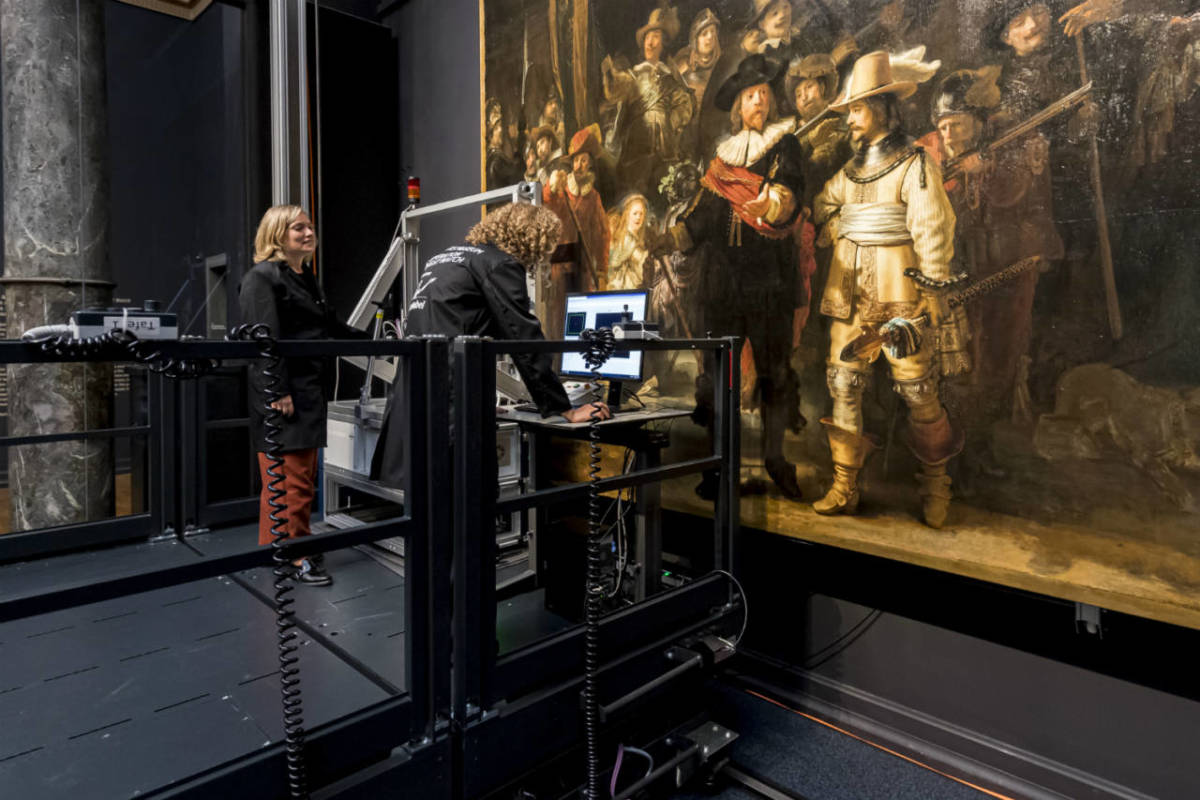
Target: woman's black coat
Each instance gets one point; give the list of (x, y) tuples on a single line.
[(294, 307)]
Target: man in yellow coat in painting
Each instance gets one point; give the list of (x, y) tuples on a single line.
[(885, 212)]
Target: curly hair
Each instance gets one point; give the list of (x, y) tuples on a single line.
[(527, 233)]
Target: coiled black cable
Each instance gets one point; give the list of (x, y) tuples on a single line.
[(142, 351), (285, 622), (600, 346)]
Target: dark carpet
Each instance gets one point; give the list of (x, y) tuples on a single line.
[(817, 762)]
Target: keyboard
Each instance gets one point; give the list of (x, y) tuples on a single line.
[(530, 407)]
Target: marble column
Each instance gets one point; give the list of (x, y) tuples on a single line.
[(55, 250)]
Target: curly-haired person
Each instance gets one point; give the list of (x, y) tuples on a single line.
[(478, 289)]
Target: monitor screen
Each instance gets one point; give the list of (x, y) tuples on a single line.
[(600, 310)]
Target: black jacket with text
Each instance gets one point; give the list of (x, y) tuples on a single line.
[(480, 290), (472, 290)]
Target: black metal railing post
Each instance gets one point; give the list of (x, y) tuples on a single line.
[(726, 444), (439, 487), (468, 443)]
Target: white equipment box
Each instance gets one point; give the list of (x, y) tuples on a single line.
[(350, 441)]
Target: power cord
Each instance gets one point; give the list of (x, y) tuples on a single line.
[(600, 345), (745, 607), (621, 536), (621, 751), (285, 615)]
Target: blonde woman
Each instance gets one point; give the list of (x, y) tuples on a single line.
[(281, 292), (628, 253), (478, 289)]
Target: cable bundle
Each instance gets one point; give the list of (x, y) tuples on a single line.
[(600, 346), (285, 622), (59, 340)]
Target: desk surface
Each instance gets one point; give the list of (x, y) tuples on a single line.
[(532, 419)]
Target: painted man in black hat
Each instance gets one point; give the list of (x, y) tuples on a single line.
[(741, 227)]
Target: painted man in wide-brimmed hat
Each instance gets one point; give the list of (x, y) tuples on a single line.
[(655, 104), (741, 228), (886, 211), (571, 193)]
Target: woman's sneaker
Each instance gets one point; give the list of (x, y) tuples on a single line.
[(311, 573)]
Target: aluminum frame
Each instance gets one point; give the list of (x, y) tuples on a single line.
[(404, 250)]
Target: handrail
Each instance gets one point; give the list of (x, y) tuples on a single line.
[(15, 351)]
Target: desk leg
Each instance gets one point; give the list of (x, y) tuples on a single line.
[(648, 527), (534, 447)]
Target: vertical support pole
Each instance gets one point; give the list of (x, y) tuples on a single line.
[(468, 521), (727, 441), (289, 103), (484, 496), (190, 453), (160, 473), (410, 264), (413, 401), (440, 476)]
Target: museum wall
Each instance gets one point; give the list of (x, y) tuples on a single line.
[(176, 109), (1083, 730), (438, 42)]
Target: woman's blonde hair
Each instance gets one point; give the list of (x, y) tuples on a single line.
[(527, 233), (268, 242)]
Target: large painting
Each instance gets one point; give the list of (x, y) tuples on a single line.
[(958, 237)]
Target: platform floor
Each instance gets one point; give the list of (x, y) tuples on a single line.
[(116, 698)]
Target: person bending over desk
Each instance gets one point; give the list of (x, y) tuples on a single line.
[(281, 292), (478, 289)]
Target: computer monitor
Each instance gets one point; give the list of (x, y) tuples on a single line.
[(597, 310)]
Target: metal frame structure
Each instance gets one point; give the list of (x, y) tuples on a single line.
[(400, 729), (404, 251), (289, 103), (21, 545), (458, 731), (538, 686), (197, 510)]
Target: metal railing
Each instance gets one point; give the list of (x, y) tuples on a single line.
[(335, 747), (488, 678)]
